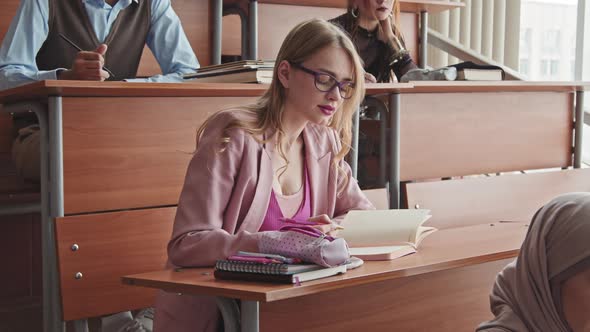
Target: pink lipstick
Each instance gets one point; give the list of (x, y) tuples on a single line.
[(327, 109)]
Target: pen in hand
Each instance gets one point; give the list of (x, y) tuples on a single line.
[(80, 50)]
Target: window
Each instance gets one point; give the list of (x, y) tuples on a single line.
[(547, 35), (544, 69), (551, 41), (526, 41), (524, 67), (554, 68)]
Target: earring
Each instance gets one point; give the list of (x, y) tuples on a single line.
[(355, 15)]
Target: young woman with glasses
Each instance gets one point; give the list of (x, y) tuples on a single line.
[(281, 157), (374, 28)]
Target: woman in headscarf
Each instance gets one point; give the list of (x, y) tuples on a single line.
[(547, 288)]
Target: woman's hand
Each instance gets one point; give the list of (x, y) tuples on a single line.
[(325, 224), (385, 34), (369, 78)]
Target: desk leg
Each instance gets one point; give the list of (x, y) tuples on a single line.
[(230, 312), (217, 16), (235, 321), (51, 205), (253, 29), (394, 162), (423, 56), (250, 316), (578, 128), (52, 173)]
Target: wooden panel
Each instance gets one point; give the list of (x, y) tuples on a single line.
[(110, 245), (416, 6), (5, 132), (410, 30), (378, 197), (438, 252), (7, 10), (17, 244), (450, 134), (130, 152), (419, 303), (491, 199), (276, 20), (231, 35)]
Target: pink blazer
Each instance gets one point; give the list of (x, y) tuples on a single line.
[(223, 203)]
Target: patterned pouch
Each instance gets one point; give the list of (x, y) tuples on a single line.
[(306, 243)]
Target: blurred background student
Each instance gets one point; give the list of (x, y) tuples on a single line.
[(373, 26)]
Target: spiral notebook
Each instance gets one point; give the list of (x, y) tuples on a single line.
[(264, 268), (293, 278)]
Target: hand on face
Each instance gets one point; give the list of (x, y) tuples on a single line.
[(385, 34), (369, 78), (88, 65)]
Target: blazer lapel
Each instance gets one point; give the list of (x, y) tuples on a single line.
[(255, 216), (318, 157)]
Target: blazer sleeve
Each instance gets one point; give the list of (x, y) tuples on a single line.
[(199, 235)]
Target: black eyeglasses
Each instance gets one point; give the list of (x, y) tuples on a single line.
[(326, 82)]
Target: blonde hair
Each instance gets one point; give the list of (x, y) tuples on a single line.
[(302, 43)]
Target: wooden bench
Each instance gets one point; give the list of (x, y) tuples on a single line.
[(94, 251), (511, 197), (459, 129)]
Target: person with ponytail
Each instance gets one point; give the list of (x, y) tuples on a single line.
[(282, 157), (373, 26)]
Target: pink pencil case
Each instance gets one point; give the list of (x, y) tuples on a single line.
[(307, 243)]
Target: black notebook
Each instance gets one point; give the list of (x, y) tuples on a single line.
[(469, 71)]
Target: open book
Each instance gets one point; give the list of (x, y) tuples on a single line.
[(384, 234)]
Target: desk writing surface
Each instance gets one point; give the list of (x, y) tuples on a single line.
[(493, 86), (443, 250), (64, 88), (128, 89)]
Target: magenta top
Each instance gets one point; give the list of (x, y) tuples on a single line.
[(278, 204)]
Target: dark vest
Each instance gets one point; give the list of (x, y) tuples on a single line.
[(125, 41)]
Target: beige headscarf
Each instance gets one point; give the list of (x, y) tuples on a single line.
[(558, 239)]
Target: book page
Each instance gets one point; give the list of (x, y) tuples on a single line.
[(370, 228), (377, 250)]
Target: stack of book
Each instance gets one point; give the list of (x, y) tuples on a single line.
[(245, 71), (469, 71), (271, 268)]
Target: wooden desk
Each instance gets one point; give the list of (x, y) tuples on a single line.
[(112, 146), (467, 128), (116, 146), (443, 287)]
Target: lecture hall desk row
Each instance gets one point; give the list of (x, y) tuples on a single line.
[(115, 146)]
